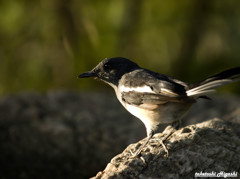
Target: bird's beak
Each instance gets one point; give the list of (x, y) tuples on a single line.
[(87, 74)]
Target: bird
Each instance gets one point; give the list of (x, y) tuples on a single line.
[(152, 97)]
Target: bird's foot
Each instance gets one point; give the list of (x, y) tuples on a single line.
[(169, 130), (139, 150), (162, 143)]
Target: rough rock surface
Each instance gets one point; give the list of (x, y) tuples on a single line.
[(74, 135), (211, 146)]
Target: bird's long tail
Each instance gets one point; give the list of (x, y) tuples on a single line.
[(211, 83)]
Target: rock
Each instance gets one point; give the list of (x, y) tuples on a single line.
[(211, 146), (64, 134)]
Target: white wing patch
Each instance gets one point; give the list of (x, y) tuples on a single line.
[(147, 89), (141, 89)]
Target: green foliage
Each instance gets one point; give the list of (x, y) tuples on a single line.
[(46, 44)]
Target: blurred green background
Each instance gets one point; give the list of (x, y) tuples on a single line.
[(46, 44)]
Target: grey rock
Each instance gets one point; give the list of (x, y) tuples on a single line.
[(211, 146), (63, 134)]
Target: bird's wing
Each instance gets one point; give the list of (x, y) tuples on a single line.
[(145, 88)]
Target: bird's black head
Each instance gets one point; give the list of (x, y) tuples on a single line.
[(111, 69)]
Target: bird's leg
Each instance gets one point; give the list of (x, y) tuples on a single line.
[(169, 130), (134, 155)]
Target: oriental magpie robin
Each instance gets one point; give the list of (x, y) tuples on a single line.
[(152, 97)]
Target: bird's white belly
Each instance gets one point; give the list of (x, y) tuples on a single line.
[(165, 113)]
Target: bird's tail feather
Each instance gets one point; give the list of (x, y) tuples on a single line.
[(211, 83)]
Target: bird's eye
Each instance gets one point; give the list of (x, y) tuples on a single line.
[(107, 66)]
